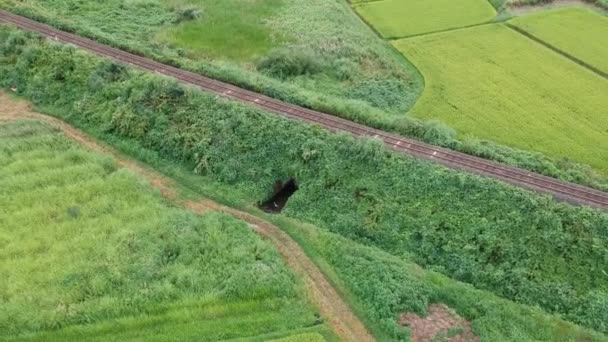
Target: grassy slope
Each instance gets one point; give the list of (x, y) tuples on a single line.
[(516, 244), (531, 99), (379, 285), (90, 250), (401, 18), (579, 32)]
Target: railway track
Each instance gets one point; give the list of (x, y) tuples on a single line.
[(562, 190)]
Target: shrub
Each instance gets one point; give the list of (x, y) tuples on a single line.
[(284, 64)]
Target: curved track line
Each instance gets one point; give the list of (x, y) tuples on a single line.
[(331, 306), (562, 190)]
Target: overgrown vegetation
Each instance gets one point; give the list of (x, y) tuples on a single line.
[(529, 99), (90, 251), (383, 286), (233, 40), (380, 286), (328, 61), (516, 244)]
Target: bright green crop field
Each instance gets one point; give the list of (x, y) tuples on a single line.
[(581, 33), (494, 83), (90, 251), (401, 18)]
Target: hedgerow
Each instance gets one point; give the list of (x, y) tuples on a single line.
[(517, 244)]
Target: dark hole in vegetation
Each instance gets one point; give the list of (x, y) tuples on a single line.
[(281, 193), (73, 212)]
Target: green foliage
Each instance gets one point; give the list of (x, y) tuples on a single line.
[(224, 38), (365, 80), (284, 64), (229, 30), (90, 250), (383, 286), (514, 243), (530, 101)]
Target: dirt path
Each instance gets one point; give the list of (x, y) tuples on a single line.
[(331, 306), (518, 9)]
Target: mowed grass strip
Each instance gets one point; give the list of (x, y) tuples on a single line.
[(88, 250), (401, 18), (493, 83), (581, 33)]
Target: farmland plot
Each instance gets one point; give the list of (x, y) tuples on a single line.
[(90, 251), (493, 83), (578, 32), (401, 18)]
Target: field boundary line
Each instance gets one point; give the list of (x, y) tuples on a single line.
[(320, 290), (557, 50), (491, 22)]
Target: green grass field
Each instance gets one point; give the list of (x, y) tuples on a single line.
[(401, 18), (229, 29), (493, 83), (581, 33), (89, 251), (314, 52)]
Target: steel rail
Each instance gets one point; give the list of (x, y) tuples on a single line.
[(566, 191)]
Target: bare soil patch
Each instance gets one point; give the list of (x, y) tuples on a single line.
[(440, 325), (331, 306)]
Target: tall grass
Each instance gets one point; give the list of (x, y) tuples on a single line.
[(354, 74), (379, 286), (516, 244), (89, 249)]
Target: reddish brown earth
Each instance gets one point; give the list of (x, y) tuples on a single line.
[(440, 325), (331, 306)]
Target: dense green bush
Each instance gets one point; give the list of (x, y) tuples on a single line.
[(284, 64), (517, 244)]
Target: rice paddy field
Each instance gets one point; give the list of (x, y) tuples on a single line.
[(91, 252), (581, 33), (494, 83), (401, 18)]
